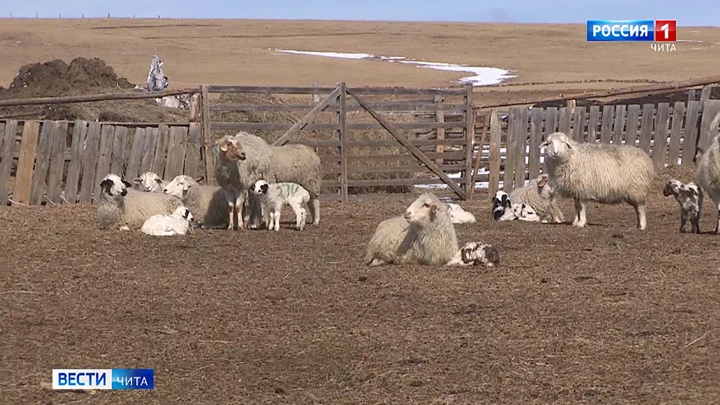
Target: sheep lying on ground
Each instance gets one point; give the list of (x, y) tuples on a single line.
[(519, 212), (121, 207), (539, 195), (501, 202), (149, 182), (689, 197), (177, 223), (208, 203), (273, 196), (459, 215), (244, 159), (608, 174), (708, 170), (424, 235), (476, 254)]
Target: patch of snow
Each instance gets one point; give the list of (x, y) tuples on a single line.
[(328, 54)]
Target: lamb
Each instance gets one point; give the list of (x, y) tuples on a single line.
[(121, 207), (149, 182), (689, 197), (207, 202), (608, 174), (501, 202), (177, 223), (274, 196), (521, 212), (476, 254), (244, 159), (424, 235), (708, 170), (539, 195), (459, 215)]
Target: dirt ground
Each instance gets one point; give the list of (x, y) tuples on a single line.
[(605, 314)]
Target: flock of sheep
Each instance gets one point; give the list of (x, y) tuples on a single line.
[(255, 180)]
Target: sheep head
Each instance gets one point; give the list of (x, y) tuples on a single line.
[(231, 148), (179, 186), (114, 186), (672, 187), (559, 145), (148, 181), (184, 213), (260, 187), (423, 210)]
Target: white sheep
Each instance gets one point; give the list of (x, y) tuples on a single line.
[(149, 182), (539, 195), (424, 235), (459, 215), (520, 212), (708, 170), (121, 207), (208, 203), (274, 196), (177, 223), (689, 197), (608, 174), (476, 254)]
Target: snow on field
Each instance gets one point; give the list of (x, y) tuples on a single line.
[(481, 76)]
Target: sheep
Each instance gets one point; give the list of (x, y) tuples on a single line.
[(274, 196), (521, 212), (708, 169), (539, 195), (121, 207), (177, 223), (608, 174), (207, 202), (459, 215), (501, 202), (424, 235), (149, 182), (476, 254), (244, 159), (689, 197)]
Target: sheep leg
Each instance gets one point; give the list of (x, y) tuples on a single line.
[(239, 203), (300, 217), (580, 218), (277, 219), (271, 224), (695, 224), (314, 205), (683, 221), (640, 210), (717, 227), (230, 197)]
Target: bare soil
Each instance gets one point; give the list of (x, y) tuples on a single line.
[(605, 314)]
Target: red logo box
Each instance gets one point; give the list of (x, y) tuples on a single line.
[(665, 30)]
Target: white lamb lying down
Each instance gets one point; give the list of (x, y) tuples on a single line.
[(521, 212), (476, 254), (459, 215), (177, 223), (272, 198)]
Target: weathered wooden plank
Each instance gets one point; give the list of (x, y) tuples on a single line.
[(343, 137), (208, 162), (536, 116), (149, 152), (158, 164), (676, 132), (107, 138), (393, 182), (117, 161), (593, 123), (136, 153), (659, 152), (710, 108), (310, 116), (360, 91), (510, 147), (550, 120), (57, 162), (579, 124), (705, 94), (691, 95), (393, 158), (412, 106), (2, 134), (633, 113), (494, 153), (608, 115), (469, 132), (617, 135), (192, 152), (176, 152), (412, 168), (253, 126), (26, 161), (646, 127), (76, 158), (690, 133), (521, 145), (6, 153), (439, 133), (564, 122), (42, 162), (89, 165)]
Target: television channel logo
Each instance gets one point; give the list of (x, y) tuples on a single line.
[(631, 30), (104, 379)]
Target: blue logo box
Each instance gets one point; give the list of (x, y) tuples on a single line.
[(620, 30), (133, 379)]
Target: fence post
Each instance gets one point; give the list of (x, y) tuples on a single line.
[(194, 107), (342, 133), (439, 132), (315, 95), (469, 141), (205, 122)]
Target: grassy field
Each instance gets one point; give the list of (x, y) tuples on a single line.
[(240, 52)]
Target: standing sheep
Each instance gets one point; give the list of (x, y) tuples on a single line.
[(708, 171), (424, 235), (149, 182), (539, 195), (208, 203), (689, 197), (123, 208), (608, 174), (274, 196)]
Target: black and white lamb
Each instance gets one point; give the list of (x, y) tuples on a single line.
[(689, 196), (274, 196), (476, 254)]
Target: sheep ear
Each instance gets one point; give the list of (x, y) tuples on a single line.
[(126, 183), (199, 179), (137, 180), (223, 145), (433, 210), (106, 184), (158, 180), (544, 144), (568, 145)]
